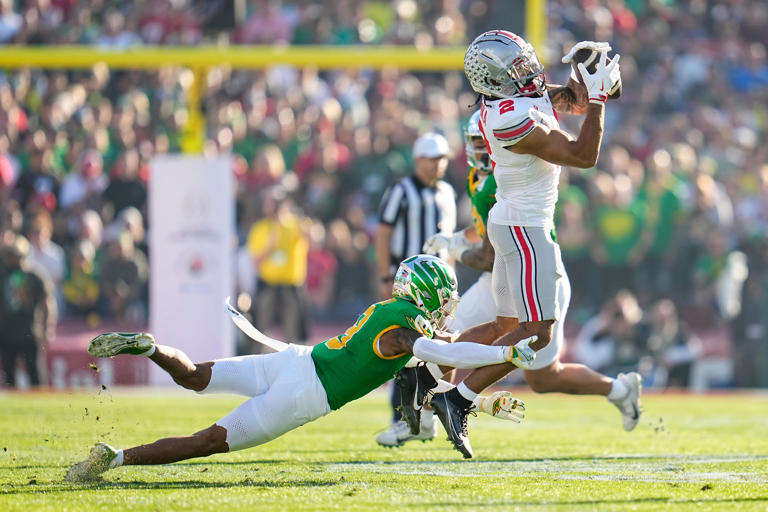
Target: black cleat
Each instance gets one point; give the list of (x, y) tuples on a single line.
[(454, 420), (407, 382), (414, 384)]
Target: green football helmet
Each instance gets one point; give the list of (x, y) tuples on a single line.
[(430, 283)]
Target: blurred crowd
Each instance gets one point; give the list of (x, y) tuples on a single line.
[(667, 237)]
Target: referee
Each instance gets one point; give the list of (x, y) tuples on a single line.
[(415, 208), (412, 210)]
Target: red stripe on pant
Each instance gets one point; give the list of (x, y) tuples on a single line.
[(528, 295)]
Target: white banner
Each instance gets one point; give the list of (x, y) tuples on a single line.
[(191, 242)]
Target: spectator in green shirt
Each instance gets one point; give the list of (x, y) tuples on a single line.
[(663, 216), (618, 222)]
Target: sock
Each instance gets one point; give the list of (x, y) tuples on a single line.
[(151, 350), (117, 461), (455, 397), (618, 390), (427, 416), (466, 392)]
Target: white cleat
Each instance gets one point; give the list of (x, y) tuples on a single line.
[(629, 406), (111, 344), (399, 433), (98, 461)]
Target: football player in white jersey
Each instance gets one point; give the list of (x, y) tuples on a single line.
[(521, 130)]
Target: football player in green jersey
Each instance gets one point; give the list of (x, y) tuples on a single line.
[(471, 247), (300, 384)]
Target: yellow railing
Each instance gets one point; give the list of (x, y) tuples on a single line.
[(243, 57)]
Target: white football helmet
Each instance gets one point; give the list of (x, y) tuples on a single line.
[(476, 157), (500, 64)]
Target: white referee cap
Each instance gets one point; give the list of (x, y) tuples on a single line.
[(431, 145)]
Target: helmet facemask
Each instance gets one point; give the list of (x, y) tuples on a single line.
[(475, 147)]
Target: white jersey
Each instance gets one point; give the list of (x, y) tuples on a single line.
[(527, 185)]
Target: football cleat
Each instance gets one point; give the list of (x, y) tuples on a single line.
[(400, 433), (98, 461), (454, 420), (629, 406), (111, 344), (414, 385)]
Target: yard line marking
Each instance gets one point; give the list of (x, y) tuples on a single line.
[(636, 468)]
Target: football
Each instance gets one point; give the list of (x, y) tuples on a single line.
[(590, 59)]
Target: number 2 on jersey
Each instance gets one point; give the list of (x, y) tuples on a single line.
[(506, 106)]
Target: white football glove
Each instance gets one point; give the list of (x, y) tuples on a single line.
[(614, 75), (501, 404), (455, 244), (521, 355), (585, 45), (602, 80)]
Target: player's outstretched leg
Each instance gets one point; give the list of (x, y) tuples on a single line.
[(101, 458), (104, 457), (178, 365), (452, 410), (629, 404), (576, 379)]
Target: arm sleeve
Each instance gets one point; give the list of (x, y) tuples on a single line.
[(462, 354)]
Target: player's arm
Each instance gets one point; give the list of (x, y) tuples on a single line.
[(462, 354), (558, 147), (470, 233), (480, 257), (456, 244), (571, 98)]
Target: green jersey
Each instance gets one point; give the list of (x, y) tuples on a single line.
[(350, 365), (482, 195)]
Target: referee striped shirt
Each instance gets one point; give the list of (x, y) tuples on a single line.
[(416, 212)]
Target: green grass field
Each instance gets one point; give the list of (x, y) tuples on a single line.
[(688, 453)]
